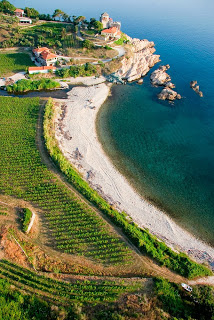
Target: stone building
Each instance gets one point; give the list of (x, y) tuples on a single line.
[(104, 19), (109, 22)]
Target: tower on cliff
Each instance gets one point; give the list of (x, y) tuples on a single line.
[(104, 19)]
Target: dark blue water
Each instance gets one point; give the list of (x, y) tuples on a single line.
[(167, 151)]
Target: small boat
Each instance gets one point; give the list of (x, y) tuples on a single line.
[(186, 287)]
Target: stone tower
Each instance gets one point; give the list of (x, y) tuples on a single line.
[(105, 20)]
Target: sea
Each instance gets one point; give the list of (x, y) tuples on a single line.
[(166, 150)]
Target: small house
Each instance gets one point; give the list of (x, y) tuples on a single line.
[(44, 69), (45, 56), (19, 13), (111, 33)]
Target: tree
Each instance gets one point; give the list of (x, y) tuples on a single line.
[(46, 17), (98, 26), (66, 17), (87, 44), (31, 13), (80, 19), (7, 7), (91, 23), (58, 14), (63, 33)]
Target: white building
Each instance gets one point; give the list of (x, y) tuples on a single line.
[(25, 20), (45, 56), (44, 69), (111, 34)]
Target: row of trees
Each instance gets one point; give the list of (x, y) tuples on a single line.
[(8, 8), (85, 70)]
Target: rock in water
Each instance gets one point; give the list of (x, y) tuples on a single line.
[(194, 85), (140, 81), (159, 77), (168, 94)]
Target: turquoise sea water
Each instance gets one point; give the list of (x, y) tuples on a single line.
[(167, 151)]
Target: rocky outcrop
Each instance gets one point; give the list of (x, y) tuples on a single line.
[(139, 61), (194, 85), (168, 94), (140, 81), (161, 78)]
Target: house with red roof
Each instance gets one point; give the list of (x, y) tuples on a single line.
[(45, 56), (19, 13), (44, 69), (111, 33)]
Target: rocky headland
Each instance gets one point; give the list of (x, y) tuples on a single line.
[(160, 77), (139, 60)]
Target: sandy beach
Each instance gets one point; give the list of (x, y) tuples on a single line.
[(76, 134)]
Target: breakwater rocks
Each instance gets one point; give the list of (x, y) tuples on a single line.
[(194, 85), (139, 59), (160, 77)]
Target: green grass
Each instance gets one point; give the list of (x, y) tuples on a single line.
[(87, 291), (14, 62), (74, 227), (27, 215), (141, 238), (122, 40)]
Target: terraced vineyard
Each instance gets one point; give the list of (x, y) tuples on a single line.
[(65, 292), (74, 226)]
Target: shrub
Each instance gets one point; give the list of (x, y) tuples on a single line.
[(32, 85), (85, 70), (3, 213), (27, 215)]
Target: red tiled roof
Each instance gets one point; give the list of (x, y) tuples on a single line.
[(41, 68), (19, 10), (110, 30), (39, 50), (46, 55)]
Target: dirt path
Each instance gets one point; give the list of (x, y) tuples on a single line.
[(209, 281)]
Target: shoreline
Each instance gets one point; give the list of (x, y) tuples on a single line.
[(78, 140)]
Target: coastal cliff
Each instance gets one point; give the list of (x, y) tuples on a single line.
[(139, 60)]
